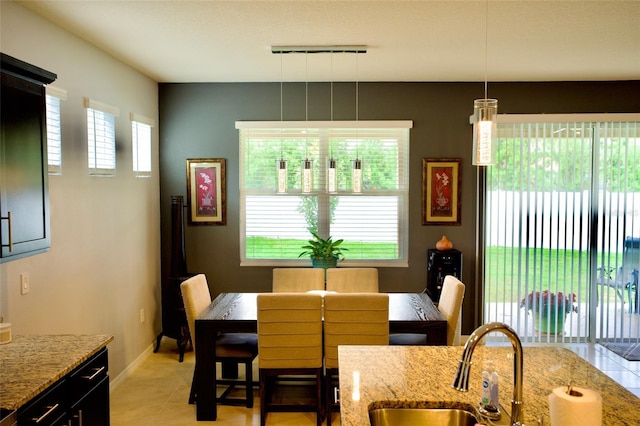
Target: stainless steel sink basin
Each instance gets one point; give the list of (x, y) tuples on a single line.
[(422, 416)]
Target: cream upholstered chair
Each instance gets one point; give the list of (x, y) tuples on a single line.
[(230, 347), (351, 319), (289, 343), (450, 306), (352, 280), (297, 279)]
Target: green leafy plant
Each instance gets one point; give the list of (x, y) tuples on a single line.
[(320, 248)]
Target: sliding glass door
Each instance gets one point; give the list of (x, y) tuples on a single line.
[(561, 204)]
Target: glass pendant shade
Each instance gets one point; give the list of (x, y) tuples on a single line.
[(282, 177), (332, 176), (485, 112), (307, 176), (357, 176)]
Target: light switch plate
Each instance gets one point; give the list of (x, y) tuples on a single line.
[(24, 283)]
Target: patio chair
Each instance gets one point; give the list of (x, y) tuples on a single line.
[(623, 279)]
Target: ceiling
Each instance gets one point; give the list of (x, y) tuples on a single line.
[(230, 41)]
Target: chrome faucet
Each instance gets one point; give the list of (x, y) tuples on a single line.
[(461, 381)]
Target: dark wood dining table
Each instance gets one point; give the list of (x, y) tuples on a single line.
[(237, 312)]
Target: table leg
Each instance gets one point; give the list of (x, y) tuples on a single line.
[(437, 336), (206, 407)]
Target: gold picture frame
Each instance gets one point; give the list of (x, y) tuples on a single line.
[(441, 189), (206, 191)]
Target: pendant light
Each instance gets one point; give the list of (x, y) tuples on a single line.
[(281, 186), (356, 174), (307, 169), (332, 175), (485, 113)]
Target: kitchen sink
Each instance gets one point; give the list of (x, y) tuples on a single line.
[(422, 416)]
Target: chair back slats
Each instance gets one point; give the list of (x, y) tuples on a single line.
[(297, 279), (354, 319), (196, 297), (450, 306), (352, 280), (289, 330)]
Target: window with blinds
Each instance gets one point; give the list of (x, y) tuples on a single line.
[(54, 129), (348, 180), (141, 144), (101, 137)]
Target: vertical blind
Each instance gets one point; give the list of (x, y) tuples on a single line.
[(561, 199), (373, 222)]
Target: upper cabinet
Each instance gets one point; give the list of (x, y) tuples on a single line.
[(24, 191)]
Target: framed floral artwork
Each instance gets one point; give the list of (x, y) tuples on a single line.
[(441, 180), (206, 191)]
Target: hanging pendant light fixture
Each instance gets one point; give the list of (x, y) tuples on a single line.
[(356, 175), (485, 113), (281, 185), (307, 170), (332, 175)]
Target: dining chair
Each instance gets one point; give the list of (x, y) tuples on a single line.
[(350, 319), (450, 306), (352, 280), (297, 279), (290, 344), (234, 348)]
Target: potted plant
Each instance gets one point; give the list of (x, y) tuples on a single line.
[(549, 310), (324, 253)]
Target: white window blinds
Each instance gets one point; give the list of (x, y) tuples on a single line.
[(101, 135), (369, 212), (141, 144), (54, 129)]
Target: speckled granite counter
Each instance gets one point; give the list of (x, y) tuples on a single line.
[(30, 364), (413, 376)]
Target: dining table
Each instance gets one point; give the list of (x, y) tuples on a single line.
[(413, 313)]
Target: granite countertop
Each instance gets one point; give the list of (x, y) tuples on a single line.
[(30, 364), (421, 377)]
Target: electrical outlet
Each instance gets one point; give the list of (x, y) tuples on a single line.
[(24, 283), (141, 316)]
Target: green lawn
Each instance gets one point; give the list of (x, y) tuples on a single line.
[(271, 248)]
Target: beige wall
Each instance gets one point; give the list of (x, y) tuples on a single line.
[(104, 263)]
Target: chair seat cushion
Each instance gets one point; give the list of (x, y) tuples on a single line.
[(237, 345)]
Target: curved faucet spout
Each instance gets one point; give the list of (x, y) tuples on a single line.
[(461, 380)]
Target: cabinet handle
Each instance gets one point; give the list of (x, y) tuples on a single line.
[(50, 410), (91, 377), (10, 245)]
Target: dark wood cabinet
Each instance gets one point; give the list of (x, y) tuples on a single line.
[(81, 398), (24, 192)]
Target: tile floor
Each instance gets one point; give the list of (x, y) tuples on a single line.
[(156, 392)]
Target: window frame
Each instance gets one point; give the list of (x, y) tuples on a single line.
[(403, 127)]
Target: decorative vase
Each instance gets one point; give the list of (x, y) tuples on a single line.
[(331, 262), (444, 244), (549, 323)]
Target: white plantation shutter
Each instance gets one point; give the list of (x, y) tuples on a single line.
[(101, 134), (54, 128), (372, 222), (141, 144)]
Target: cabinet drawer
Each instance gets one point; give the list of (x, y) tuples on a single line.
[(46, 409), (87, 376)]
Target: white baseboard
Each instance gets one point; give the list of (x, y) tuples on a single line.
[(117, 381)]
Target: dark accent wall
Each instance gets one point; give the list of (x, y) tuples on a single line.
[(197, 120)]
